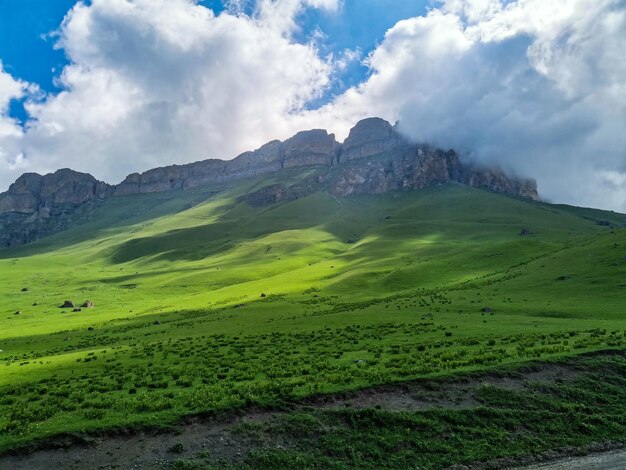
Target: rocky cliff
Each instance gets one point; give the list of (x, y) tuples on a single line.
[(36, 206), (405, 167), (373, 159), (369, 137), (314, 147)]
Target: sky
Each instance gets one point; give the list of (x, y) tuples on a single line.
[(111, 87)]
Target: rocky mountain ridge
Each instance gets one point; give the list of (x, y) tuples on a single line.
[(373, 159)]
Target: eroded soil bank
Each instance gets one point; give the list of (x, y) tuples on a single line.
[(519, 416)]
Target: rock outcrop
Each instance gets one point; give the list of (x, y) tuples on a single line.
[(275, 193), (36, 206), (417, 167), (398, 165), (269, 195), (369, 137), (314, 147), (374, 159)]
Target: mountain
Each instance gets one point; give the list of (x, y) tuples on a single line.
[(265, 289), (374, 159)]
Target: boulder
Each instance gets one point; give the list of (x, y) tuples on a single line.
[(87, 304), (68, 304), (76, 310), (24, 289)]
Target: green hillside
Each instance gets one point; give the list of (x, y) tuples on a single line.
[(204, 302)]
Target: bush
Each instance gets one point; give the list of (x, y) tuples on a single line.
[(177, 448)]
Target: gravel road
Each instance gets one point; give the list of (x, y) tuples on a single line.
[(615, 460)]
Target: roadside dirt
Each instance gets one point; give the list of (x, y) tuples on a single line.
[(614, 460), (455, 394)]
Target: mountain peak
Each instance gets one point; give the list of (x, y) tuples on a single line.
[(369, 137), (36, 206)]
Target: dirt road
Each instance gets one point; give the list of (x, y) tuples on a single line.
[(615, 460)]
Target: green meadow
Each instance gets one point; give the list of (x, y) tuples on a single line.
[(203, 302)]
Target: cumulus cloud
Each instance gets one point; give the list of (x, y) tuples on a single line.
[(281, 14), (10, 131), (154, 82), (10, 89), (538, 87)]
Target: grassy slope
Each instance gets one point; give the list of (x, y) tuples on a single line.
[(360, 290)]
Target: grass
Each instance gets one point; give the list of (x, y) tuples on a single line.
[(204, 303), (505, 424)]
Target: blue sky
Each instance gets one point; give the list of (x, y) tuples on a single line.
[(27, 37), (26, 49)]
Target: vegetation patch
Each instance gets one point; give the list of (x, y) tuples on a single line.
[(511, 416)]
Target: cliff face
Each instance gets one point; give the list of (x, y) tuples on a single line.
[(402, 165), (376, 159), (419, 166), (369, 137), (373, 159), (314, 147), (36, 206)]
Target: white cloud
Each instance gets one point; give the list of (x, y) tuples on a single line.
[(472, 11), (348, 57), (536, 86), (10, 89), (281, 15), (10, 131), (155, 82)]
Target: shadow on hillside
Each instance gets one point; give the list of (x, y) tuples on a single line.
[(117, 213), (402, 218), (126, 211), (134, 279), (347, 221), (319, 211)]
